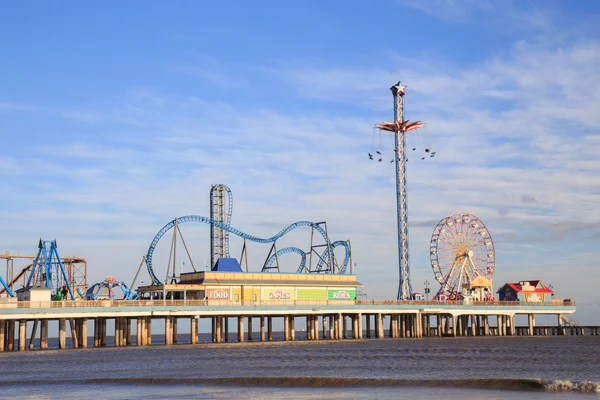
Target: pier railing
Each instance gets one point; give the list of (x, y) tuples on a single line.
[(250, 303)]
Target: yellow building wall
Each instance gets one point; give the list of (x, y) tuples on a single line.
[(249, 293)]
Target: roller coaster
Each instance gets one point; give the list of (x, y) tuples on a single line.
[(110, 284), (48, 269), (219, 223)]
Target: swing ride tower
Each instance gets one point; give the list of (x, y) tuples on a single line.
[(400, 127)]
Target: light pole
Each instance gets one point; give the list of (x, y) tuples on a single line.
[(426, 289)]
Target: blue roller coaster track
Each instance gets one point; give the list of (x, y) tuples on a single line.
[(237, 232), (322, 259)]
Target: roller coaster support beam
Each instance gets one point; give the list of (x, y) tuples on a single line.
[(47, 251), (138, 272), (10, 293)]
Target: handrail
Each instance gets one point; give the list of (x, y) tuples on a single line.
[(250, 303)]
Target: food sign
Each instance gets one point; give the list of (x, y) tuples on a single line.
[(218, 294)]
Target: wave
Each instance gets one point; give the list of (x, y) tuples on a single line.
[(323, 382)]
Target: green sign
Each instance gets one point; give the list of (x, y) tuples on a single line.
[(341, 294)]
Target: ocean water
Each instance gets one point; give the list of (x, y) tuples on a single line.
[(562, 367)]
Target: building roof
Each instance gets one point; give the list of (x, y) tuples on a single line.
[(270, 279), (535, 286)]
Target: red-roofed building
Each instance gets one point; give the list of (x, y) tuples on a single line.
[(526, 291)]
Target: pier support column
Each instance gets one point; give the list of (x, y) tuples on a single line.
[(148, 330), (379, 326), (213, 324), (3, 324), (62, 333), (2, 335), (241, 329), (331, 327), (168, 331), (10, 335), (485, 325), (286, 327), (359, 326), (83, 342), (33, 334), (174, 329), (127, 331), (403, 326), (249, 329), (292, 328), (344, 327), (22, 334), (368, 323), (531, 324), (122, 331), (96, 333), (226, 329), (454, 325), (43, 334), (270, 328), (324, 326), (340, 326), (262, 329), (219, 329), (138, 332), (74, 340), (117, 335), (194, 330), (103, 332)]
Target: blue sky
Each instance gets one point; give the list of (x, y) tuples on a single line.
[(115, 117)]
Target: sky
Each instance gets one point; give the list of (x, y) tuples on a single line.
[(116, 117)]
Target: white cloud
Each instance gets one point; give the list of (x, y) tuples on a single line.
[(12, 106)]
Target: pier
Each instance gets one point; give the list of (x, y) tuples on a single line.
[(324, 320)]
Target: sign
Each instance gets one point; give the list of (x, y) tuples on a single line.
[(218, 294), (341, 294), (534, 297), (278, 294)]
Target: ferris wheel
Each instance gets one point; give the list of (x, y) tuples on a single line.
[(461, 251)]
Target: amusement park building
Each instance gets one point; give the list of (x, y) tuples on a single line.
[(526, 291), (259, 286)]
